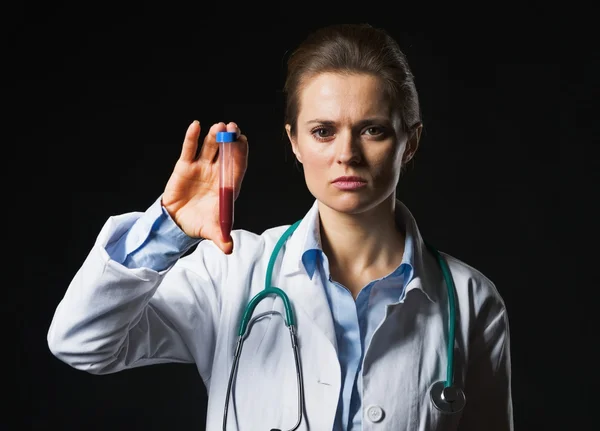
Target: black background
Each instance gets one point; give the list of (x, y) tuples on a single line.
[(504, 178)]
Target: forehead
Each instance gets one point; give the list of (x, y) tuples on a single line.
[(336, 96)]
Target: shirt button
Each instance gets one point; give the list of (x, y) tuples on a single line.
[(374, 413)]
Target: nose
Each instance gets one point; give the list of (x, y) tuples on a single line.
[(348, 149)]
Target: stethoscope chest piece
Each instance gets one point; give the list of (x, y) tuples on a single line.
[(449, 399)]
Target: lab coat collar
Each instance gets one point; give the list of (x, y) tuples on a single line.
[(421, 260)]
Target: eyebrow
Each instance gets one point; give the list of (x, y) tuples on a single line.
[(361, 123)]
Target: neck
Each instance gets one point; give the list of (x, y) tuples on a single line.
[(365, 243)]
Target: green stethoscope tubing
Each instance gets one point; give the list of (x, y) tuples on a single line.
[(448, 280), (290, 322), (290, 319)]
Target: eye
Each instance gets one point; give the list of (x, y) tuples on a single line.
[(322, 133), (374, 131)]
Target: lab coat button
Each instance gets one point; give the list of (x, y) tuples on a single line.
[(375, 413)]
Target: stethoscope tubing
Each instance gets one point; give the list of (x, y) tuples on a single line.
[(444, 395)]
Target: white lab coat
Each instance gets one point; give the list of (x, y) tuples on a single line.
[(113, 318)]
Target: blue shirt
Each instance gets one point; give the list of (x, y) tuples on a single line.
[(156, 242)]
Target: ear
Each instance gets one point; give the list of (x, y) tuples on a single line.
[(288, 129), (413, 142)]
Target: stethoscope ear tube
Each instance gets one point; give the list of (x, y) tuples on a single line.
[(299, 377)]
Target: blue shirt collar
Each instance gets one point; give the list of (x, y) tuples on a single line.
[(312, 253)]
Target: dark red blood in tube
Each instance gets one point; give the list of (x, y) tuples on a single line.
[(226, 212)]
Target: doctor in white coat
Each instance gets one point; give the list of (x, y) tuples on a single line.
[(370, 301)]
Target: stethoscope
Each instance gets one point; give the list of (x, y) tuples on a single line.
[(446, 397)]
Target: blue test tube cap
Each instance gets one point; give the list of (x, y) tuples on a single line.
[(226, 136)]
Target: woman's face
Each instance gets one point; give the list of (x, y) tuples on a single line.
[(346, 128)]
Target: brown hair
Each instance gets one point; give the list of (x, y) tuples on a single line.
[(350, 49)]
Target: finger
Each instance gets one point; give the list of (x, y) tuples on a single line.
[(240, 157), (226, 247), (190, 142), (210, 147), (240, 151), (241, 148), (234, 128)]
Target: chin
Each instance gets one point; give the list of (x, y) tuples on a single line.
[(352, 203)]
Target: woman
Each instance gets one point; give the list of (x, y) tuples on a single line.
[(370, 300)]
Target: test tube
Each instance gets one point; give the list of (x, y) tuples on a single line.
[(226, 185)]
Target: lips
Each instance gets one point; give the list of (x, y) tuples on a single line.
[(349, 183), (349, 179)]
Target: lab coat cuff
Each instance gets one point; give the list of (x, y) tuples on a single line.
[(155, 222)]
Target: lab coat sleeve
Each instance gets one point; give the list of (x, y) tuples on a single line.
[(112, 318), (488, 379)]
